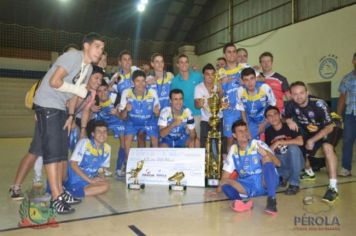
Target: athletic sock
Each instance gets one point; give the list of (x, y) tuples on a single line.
[(332, 183), (16, 186), (38, 169), (271, 178), (120, 158), (231, 192)]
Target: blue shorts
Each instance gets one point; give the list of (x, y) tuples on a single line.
[(228, 119), (177, 142), (151, 130), (253, 127), (77, 188), (73, 138), (75, 184), (118, 130), (253, 185)]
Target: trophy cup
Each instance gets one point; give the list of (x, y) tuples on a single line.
[(135, 185), (178, 176), (213, 145)]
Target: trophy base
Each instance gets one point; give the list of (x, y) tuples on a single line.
[(174, 187), (213, 183), (133, 186)]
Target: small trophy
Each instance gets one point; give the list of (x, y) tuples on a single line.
[(135, 185), (177, 177)]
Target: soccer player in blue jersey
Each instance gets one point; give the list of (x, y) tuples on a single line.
[(253, 99), (123, 78), (108, 113), (230, 75), (88, 157), (139, 106), (255, 164), (176, 123), (160, 80)]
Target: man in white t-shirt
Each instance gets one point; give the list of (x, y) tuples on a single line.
[(202, 93)]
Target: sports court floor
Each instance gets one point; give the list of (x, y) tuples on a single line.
[(156, 211)]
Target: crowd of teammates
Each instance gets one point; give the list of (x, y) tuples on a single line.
[(79, 98)]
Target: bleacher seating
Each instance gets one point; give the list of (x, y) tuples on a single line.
[(15, 119)]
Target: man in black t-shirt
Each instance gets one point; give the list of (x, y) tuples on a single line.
[(285, 144), (312, 115)]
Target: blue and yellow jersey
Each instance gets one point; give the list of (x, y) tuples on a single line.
[(162, 88), (166, 118), (230, 88), (90, 158), (256, 104), (142, 111), (125, 81), (105, 112), (246, 162)]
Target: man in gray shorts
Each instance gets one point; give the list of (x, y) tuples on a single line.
[(64, 80)]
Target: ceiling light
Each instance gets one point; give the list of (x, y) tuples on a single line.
[(141, 7)]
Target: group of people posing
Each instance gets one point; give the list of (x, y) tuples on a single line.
[(77, 103)]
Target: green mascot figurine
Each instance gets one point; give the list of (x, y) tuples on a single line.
[(36, 211)]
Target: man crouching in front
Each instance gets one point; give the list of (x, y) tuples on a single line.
[(255, 164)]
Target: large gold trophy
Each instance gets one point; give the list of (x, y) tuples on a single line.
[(213, 155)]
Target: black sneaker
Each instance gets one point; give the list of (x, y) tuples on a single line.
[(61, 206), (271, 207), (331, 195), (292, 190), (282, 182), (16, 193), (69, 199)]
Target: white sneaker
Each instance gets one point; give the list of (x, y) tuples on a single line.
[(37, 183), (107, 173), (120, 174), (344, 173)]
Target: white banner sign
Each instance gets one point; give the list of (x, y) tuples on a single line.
[(162, 163)]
